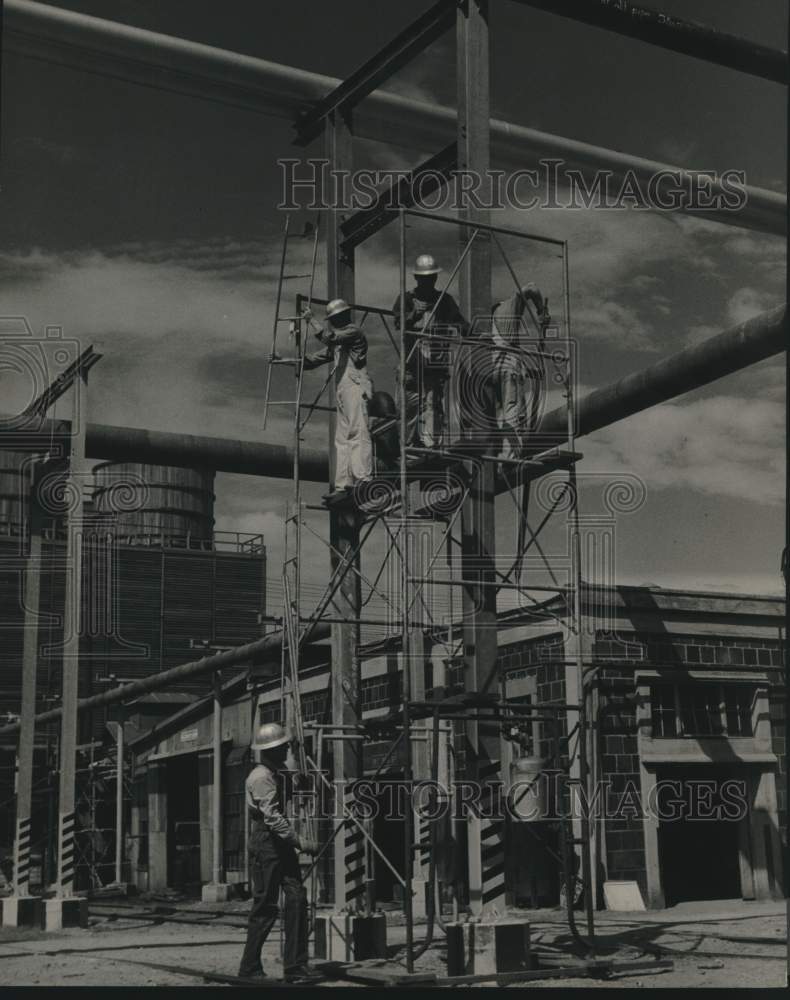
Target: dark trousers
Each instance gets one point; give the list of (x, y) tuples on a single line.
[(272, 865)]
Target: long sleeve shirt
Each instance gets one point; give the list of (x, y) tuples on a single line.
[(262, 791), (446, 319), (341, 344)]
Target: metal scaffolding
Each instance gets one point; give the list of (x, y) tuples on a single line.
[(424, 499)]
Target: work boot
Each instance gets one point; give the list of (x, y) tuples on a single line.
[(257, 974), (302, 974)]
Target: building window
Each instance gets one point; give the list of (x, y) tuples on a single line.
[(664, 714), (700, 710), (738, 703)]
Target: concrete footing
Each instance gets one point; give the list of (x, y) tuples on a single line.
[(22, 911), (215, 892), (481, 947), (346, 937), (60, 913)]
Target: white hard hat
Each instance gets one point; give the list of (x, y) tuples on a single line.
[(269, 736), (426, 265), (337, 306)]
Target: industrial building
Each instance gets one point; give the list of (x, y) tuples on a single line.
[(689, 690), (160, 583)]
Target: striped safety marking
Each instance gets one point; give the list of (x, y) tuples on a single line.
[(492, 837), (354, 855), (422, 838), (22, 856), (66, 852)]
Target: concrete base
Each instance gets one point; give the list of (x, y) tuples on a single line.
[(60, 913), (21, 911), (345, 937), (215, 892), (480, 947)]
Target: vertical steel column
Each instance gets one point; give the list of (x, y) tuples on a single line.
[(406, 637), (349, 851), (119, 800), (72, 623), (27, 718), (217, 874), (575, 688), (486, 836)]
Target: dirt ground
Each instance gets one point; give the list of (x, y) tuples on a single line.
[(733, 944)]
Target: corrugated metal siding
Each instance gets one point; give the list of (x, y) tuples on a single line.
[(188, 584), (136, 652), (213, 596), (239, 599)]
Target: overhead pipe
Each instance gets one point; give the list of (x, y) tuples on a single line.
[(93, 44), (728, 352), (269, 647), (690, 38)]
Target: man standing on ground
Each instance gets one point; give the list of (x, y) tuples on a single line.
[(274, 863)]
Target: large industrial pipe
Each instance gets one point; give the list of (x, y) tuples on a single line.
[(687, 37), (692, 368), (188, 451), (743, 345), (146, 57), (253, 652)]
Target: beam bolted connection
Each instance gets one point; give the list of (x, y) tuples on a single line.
[(394, 56)]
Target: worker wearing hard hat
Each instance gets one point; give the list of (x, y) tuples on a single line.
[(518, 376), (427, 311), (346, 348), (274, 862)]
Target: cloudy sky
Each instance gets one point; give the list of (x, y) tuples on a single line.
[(147, 220)]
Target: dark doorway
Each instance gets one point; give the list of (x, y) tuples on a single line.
[(183, 823), (698, 854)]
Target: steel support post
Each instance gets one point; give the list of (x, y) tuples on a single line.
[(216, 788), (578, 722), (486, 836), (349, 850), (27, 719), (120, 749), (72, 624)]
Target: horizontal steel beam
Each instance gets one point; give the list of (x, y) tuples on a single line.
[(394, 56), (669, 32), (261, 650), (93, 44), (409, 192), (692, 368)]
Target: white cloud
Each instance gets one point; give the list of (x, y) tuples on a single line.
[(721, 446)]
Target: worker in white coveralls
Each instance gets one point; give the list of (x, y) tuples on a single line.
[(274, 862), (346, 348), (435, 314), (518, 377)]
